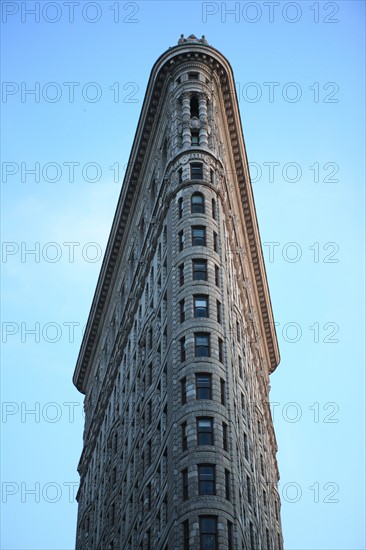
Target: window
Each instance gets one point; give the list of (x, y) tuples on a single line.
[(195, 138), (199, 270), (182, 311), (181, 240), (203, 386), (264, 499), (206, 479), (212, 179), (197, 199), (230, 535), (186, 534), (208, 533), (192, 76), (238, 331), (185, 483), (246, 448), (180, 179), (218, 311), (225, 444), (221, 350), (227, 484), (183, 349), (202, 344), (194, 105), (217, 275), (262, 465), (241, 368), (215, 242), (222, 389), (184, 437), (213, 204), (181, 274), (183, 388), (198, 235), (249, 490), (205, 431), (200, 305)]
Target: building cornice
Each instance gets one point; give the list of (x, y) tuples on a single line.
[(150, 109)]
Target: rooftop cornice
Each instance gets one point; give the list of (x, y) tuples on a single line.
[(153, 97)]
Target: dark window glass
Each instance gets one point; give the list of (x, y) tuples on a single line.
[(181, 240), (249, 490), (213, 207), (199, 270), (208, 533), (181, 274), (200, 305), (180, 179), (184, 436), (217, 275), (182, 349), (206, 479), (192, 76), (194, 104), (246, 448), (224, 437), (212, 179), (186, 535), (230, 536), (185, 483), (198, 235), (197, 202), (241, 368), (180, 208), (203, 386), (205, 431), (182, 311), (202, 344), (222, 388), (215, 240), (218, 309), (221, 350), (227, 484)]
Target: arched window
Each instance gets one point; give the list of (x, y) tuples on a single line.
[(197, 203)]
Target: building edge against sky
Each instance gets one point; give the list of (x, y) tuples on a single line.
[(179, 447)]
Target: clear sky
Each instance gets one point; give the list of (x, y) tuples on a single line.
[(299, 68)]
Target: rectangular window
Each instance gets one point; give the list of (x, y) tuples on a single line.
[(262, 465), (225, 443), (246, 448), (195, 137), (181, 274), (185, 483), (215, 242), (213, 205), (230, 536), (181, 240), (203, 386), (197, 203), (218, 311), (205, 431), (264, 500), (197, 171), (186, 535), (208, 533), (180, 179), (222, 388), (249, 490), (182, 311), (198, 235), (221, 350), (184, 437), (202, 344), (183, 389), (217, 275), (227, 484), (200, 305), (183, 349), (241, 374), (238, 331), (199, 268), (206, 479), (192, 76)]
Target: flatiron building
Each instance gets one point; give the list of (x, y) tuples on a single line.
[(179, 447)]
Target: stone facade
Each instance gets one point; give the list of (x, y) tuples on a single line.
[(179, 448)]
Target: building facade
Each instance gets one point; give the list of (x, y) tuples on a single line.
[(179, 447)]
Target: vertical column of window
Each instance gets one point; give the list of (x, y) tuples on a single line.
[(186, 117), (203, 135)]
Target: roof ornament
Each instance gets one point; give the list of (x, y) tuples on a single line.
[(192, 38)]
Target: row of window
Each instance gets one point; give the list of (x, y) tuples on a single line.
[(197, 202), (198, 237), (201, 308), (202, 346), (199, 272), (206, 481)]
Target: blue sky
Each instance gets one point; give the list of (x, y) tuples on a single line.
[(299, 69)]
